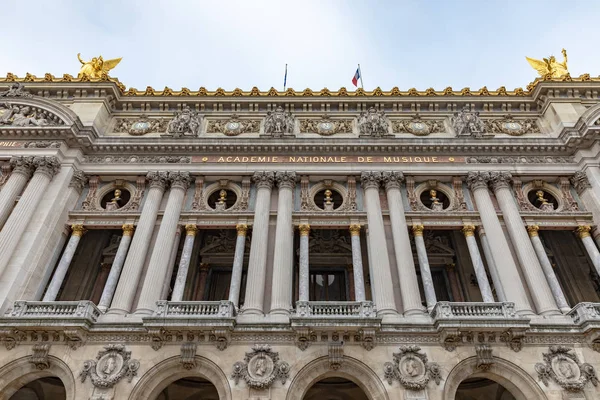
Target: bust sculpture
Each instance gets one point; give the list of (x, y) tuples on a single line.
[(543, 202), (435, 201), (328, 202), (115, 202), (221, 204)]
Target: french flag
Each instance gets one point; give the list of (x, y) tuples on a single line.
[(356, 77)]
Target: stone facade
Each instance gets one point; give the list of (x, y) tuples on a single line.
[(258, 243)]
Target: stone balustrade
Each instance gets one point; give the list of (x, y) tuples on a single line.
[(584, 313), (194, 309), (58, 311), (336, 309), (477, 315)]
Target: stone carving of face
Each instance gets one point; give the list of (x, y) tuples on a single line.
[(566, 369), (261, 367), (109, 366), (411, 368)]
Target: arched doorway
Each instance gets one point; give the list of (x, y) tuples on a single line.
[(482, 388), (335, 388), (48, 388), (188, 389)]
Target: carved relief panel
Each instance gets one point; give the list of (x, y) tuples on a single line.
[(327, 195), (223, 195), (435, 196), (114, 196)]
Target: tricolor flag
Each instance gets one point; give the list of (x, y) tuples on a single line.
[(356, 77)]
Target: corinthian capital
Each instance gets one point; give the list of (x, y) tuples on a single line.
[(370, 179), (286, 179), (47, 165), (580, 182), (22, 165), (158, 179), (500, 179), (392, 179), (78, 180), (263, 179), (478, 180), (180, 179)]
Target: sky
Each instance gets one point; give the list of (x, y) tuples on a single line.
[(246, 43)]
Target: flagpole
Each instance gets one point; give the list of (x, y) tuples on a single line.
[(285, 78), (360, 75)]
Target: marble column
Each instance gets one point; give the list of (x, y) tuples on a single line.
[(426, 278), (584, 234), (407, 273), (480, 273), (357, 266), (164, 293), (184, 262), (22, 168), (304, 273), (45, 169), (508, 273), (491, 265), (129, 280), (161, 253), (557, 292), (117, 266), (531, 268), (63, 264), (283, 258), (257, 264), (588, 196), (381, 276), (238, 264)]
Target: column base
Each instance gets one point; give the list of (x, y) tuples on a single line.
[(117, 311), (415, 312), (251, 311), (565, 310), (280, 311), (386, 311), (144, 311), (551, 313)]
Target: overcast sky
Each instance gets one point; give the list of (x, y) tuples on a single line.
[(247, 43)]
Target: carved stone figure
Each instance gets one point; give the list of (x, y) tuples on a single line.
[(234, 126), (542, 203), (185, 123), (412, 369), (115, 202), (16, 90), (418, 126), (260, 368), (96, 67), (140, 126), (373, 123), (24, 116), (279, 123), (111, 365), (562, 366), (435, 201), (467, 123)]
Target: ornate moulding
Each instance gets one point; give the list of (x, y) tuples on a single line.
[(141, 125), (97, 192), (418, 126), (202, 193), (454, 194), (511, 126), (412, 369), (233, 126), (111, 365), (308, 193), (326, 126), (279, 123), (373, 123), (562, 366), (260, 368)]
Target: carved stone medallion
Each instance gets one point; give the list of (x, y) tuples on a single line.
[(260, 368), (418, 126), (511, 126), (111, 365), (326, 126), (562, 366), (140, 126), (234, 126), (412, 369)]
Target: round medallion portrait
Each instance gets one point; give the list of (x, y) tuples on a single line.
[(565, 368), (109, 364), (412, 367), (260, 367)]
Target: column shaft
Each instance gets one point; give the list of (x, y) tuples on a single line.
[(304, 273), (164, 294), (115, 269), (22, 169), (478, 267), (557, 292), (357, 266), (590, 246), (238, 265), (491, 265), (63, 264), (161, 253), (426, 278), (184, 262)]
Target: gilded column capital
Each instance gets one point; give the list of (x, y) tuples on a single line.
[(392, 179), (370, 179), (468, 230), (418, 230), (78, 230), (354, 230), (533, 230), (580, 182), (286, 179), (48, 165), (128, 229), (22, 165), (191, 230), (478, 180), (180, 179), (500, 179), (158, 179), (584, 231), (263, 179), (242, 229), (78, 180), (304, 229)]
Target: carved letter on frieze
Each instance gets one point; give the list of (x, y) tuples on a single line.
[(111, 365), (412, 369), (563, 367), (260, 368)]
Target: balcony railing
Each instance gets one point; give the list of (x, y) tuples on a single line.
[(447, 310), (335, 309), (55, 310), (585, 312), (194, 309)]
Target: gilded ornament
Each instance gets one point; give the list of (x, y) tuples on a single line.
[(304, 229), (241, 229), (468, 230), (533, 230), (584, 231), (418, 230), (96, 66), (354, 230), (550, 67), (128, 229), (191, 230), (78, 230)]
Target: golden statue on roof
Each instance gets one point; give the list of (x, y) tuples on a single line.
[(96, 66), (549, 66)]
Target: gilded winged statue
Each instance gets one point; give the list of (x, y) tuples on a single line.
[(549, 66), (96, 66)]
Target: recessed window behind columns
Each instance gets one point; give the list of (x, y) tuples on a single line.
[(482, 388)]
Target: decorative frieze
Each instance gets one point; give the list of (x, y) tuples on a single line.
[(233, 126), (140, 126), (19, 115), (279, 123), (185, 123), (418, 126), (521, 160), (562, 366), (511, 126), (373, 123), (16, 89), (412, 369), (326, 126), (111, 365), (260, 368), (468, 123), (43, 144), (114, 159)]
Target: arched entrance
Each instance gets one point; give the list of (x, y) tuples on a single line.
[(482, 388), (189, 388), (49, 388), (335, 389)]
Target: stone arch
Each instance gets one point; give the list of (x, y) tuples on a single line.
[(589, 117), (168, 371), (65, 114), (351, 369), (504, 372), (20, 372)]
